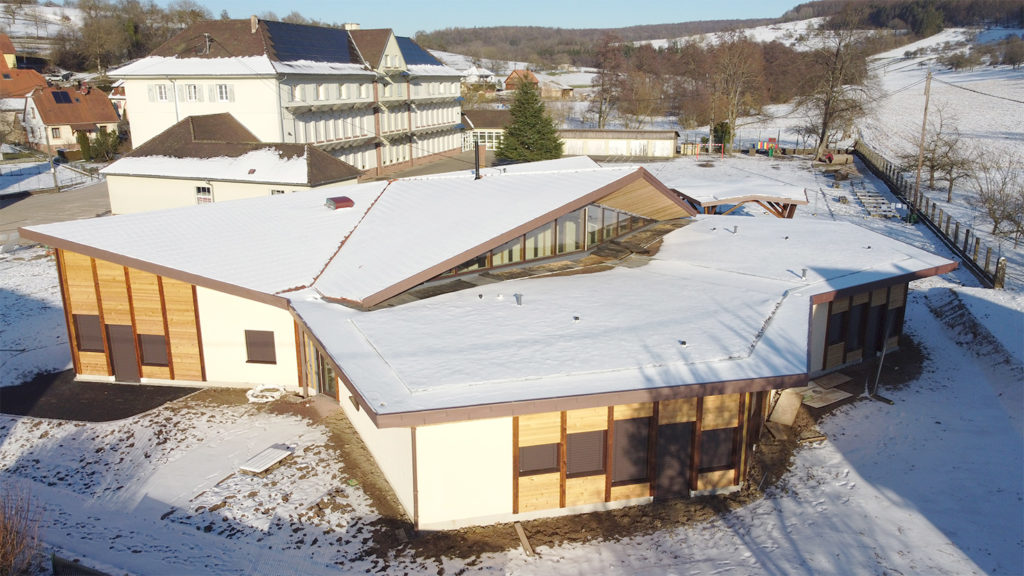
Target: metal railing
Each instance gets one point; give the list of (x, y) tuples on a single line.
[(976, 257)]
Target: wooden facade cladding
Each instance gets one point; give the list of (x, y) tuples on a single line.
[(735, 417), (858, 323), (127, 297), (642, 198)]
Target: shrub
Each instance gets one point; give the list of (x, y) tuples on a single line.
[(19, 530)]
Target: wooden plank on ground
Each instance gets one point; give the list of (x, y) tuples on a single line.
[(264, 460), (522, 539), (832, 380)]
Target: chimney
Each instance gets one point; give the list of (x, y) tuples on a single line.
[(350, 26), (254, 23), (481, 158)]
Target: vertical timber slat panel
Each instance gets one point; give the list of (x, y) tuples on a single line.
[(680, 410), (539, 492), (628, 411), (586, 420), (72, 337), (540, 429), (182, 330), (113, 293), (721, 412), (584, 490), (81, 286), (145, 290)]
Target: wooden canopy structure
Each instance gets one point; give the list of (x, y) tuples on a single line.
[(779, 206)]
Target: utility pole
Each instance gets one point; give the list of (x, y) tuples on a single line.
[(924, 130)]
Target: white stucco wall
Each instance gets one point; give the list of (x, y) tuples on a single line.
[(223, 320), (619, 147), (819, 324), (254, 103), (391, 449), (130, 194), (464, 473)]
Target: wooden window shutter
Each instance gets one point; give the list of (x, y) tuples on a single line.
[(89, 332), (585, 453), (151, 92), (154, 349), (538, 459), (231, 92), (629, 450), (716, 449)]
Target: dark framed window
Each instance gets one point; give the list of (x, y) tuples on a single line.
[(88, 332), (629, 450), (541, 459), (836, 327), (716, 449), (584, 453), (153, 348), (855, 328), (259, 347)]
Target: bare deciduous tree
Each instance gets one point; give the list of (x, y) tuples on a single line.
[(999, 192), (737, 75), (19, 529)]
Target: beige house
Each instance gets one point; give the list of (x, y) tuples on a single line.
[(375, 100), (485, 387), (205, 159), (54, 117)]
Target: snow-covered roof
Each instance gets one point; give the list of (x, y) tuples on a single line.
[(620, 331), (169, 66), (265, 165), (12, 104), (431, 70), (727, 183), (438, 220)]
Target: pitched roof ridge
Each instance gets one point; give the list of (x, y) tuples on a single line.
[(340, 244)]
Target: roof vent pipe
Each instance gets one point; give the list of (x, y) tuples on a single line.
[(736, 229), (519, 299), (803, 273)]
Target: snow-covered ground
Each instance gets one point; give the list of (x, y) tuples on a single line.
[(28, 176), (796, 34), (931, 485), (37, 20)]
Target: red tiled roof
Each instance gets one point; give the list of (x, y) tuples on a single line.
[(222, 135), (521, 75), (371, 44), (18, 83), (89, 106), (6, 46)]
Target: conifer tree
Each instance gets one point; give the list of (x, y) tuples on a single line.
[(531, 135)]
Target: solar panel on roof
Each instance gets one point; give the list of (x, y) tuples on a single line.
[(299, 42), (414, 54), (61, 97)]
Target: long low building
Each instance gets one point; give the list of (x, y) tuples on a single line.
[(550, 339), (620, 143)]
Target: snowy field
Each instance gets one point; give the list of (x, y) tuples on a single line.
[(38, 21), (931, 485), (28, 176)]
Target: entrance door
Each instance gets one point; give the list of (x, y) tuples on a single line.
[(122, 353), (674, 458)]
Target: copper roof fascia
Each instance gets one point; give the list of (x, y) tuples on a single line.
[(157, 269), (607, 189), (885, 282), (557, 404)]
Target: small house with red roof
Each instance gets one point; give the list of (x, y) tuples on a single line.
[(54, 116)]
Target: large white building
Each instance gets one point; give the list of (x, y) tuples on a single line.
[(373, 99)]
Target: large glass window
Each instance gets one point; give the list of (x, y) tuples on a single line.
[(259, 347), (611, 228), (716, 449), (508, 253), (540, 242), (570, 232), (594, 225)]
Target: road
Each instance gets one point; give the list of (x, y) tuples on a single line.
[(30, 209)]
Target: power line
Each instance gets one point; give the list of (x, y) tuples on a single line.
[(979, 91)]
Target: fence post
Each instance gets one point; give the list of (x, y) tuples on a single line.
[(956, 234), (988, 257), (1000, 278), (977, 244), (967, 239), (948, 218)]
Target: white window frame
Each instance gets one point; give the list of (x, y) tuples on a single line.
[(55, 132), (204, 194), (192, 92), (223, 93), (161, 93), (322, 92), (296, 93)]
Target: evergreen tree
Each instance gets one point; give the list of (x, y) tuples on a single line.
[(532, 134)]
